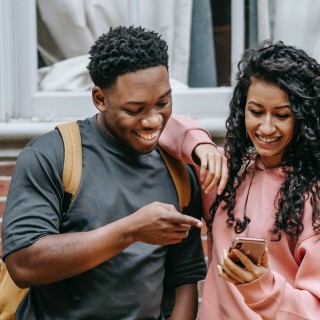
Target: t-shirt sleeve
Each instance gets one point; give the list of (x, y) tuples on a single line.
[(185, 261), (34, 202)]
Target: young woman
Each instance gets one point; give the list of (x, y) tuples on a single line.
[(273, 153)]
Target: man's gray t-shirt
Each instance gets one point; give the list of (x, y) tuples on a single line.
[(115, 183)]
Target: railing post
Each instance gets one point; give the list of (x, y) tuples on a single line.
[(237, 34)]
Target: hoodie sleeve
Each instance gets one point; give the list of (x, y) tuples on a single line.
[(181, 135), (272, 297)]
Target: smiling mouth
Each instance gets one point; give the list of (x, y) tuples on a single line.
[(148, 136), (268, 140)]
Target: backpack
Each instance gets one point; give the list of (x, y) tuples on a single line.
[(10, 294)]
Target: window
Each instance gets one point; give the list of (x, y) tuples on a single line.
[(35, 111)]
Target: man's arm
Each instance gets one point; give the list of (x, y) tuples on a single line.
[(186, 305), (185, 266), (56, 257)]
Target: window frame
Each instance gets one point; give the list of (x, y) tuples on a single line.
[(22, 103)]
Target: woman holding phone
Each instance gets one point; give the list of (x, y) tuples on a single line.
[(273, 153)]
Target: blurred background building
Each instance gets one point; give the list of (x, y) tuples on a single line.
[(44, 46)]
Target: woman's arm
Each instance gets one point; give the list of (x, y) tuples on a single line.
[(185, 139), (272, 297)]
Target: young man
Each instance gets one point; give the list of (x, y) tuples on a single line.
[(122, 238)]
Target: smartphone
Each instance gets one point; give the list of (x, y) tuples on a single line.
[(252, 247)]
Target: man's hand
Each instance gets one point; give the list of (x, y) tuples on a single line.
[(160, 223), (213, 167)]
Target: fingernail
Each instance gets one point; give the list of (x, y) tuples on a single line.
[(219, 270), (224, 253)]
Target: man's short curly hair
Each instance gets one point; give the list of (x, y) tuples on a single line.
[(122, 50)]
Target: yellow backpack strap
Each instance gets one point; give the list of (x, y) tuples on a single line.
[(72, 168), (180, 178), (10, 294)]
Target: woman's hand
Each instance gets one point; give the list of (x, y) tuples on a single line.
[(213, 167), (231, 272)]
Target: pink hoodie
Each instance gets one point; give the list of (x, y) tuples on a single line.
[(291, 287)]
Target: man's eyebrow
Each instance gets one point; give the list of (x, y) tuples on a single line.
[(165, 94), (142, 102)]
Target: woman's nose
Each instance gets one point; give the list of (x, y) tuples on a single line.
[(267, 127)]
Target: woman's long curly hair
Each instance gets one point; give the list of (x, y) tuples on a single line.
[(299, 76)]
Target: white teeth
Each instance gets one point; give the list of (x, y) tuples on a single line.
[(147, 137), (267, 139)]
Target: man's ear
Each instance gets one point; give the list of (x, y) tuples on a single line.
[(99, 98)]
